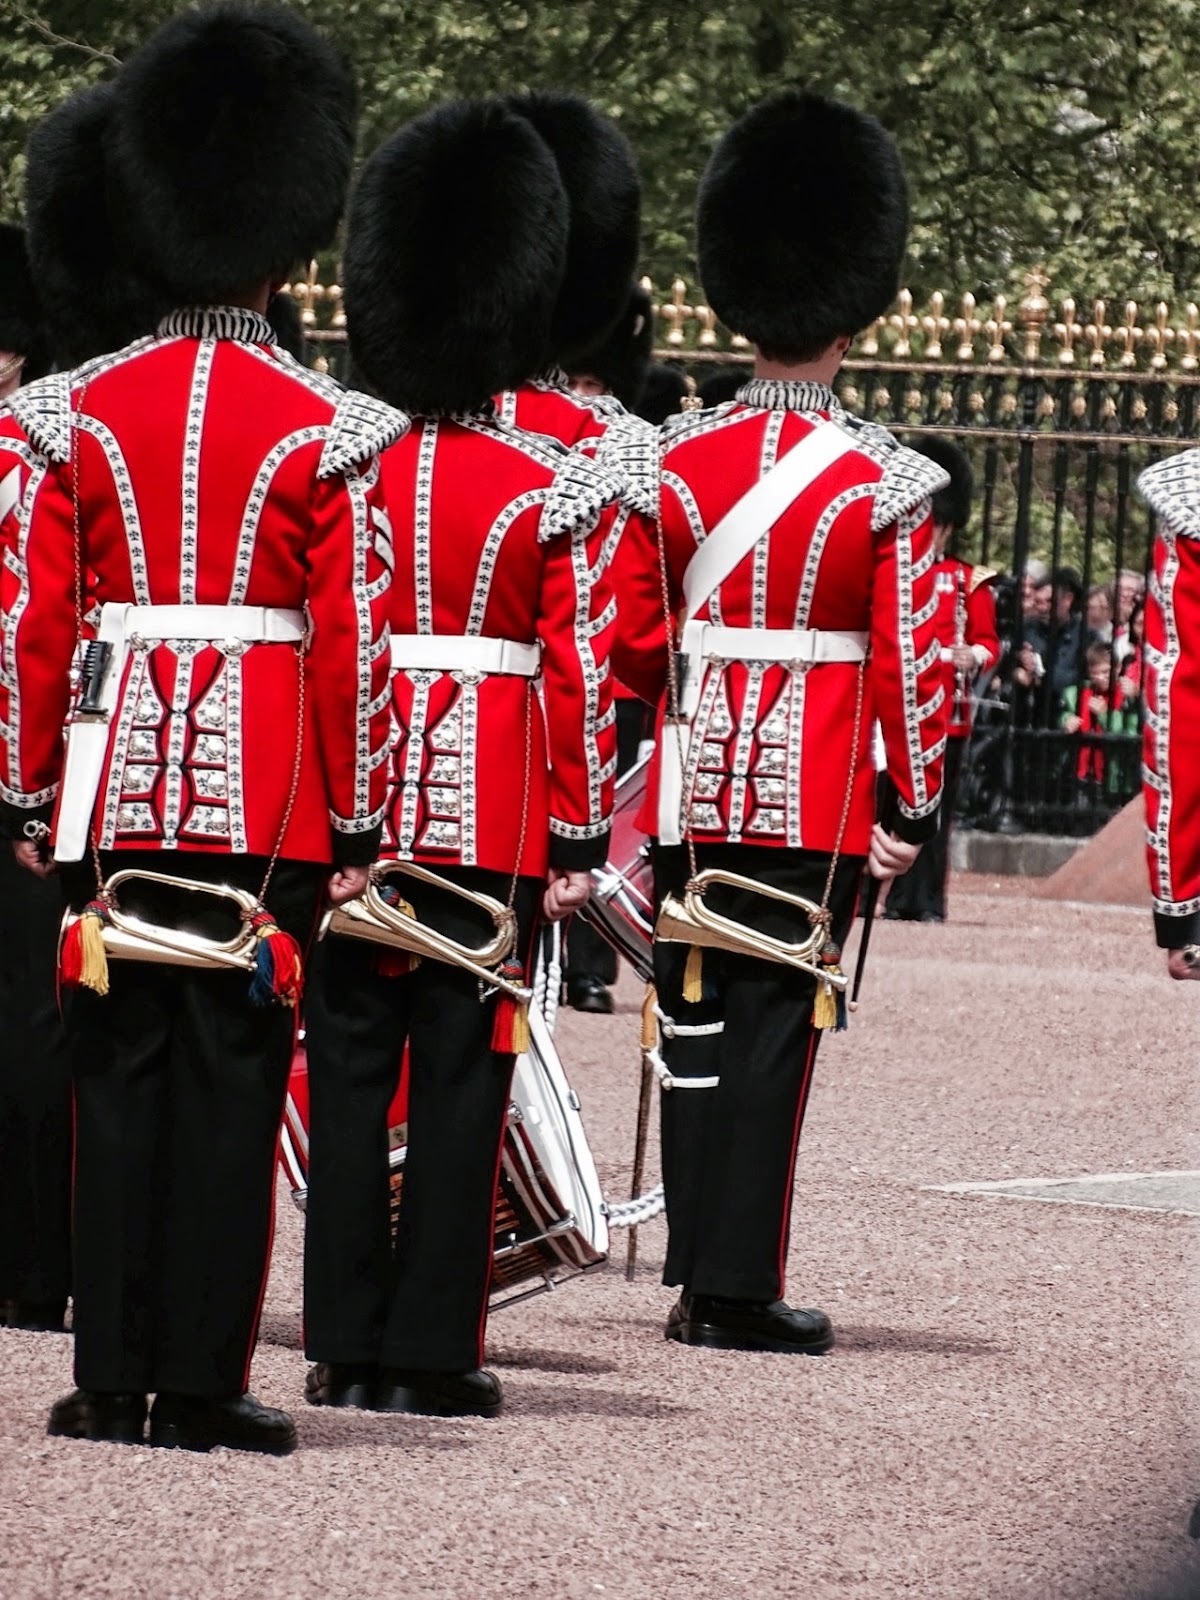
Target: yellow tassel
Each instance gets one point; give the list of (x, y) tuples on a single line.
[(825, 1006), (520, 1030), (693, 976), (649, 1020), (93, 963)]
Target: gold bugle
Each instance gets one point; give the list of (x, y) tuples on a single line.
[(687, 919), (369, 917), (130, 938)]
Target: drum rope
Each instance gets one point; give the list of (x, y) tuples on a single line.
[(632, 1213)]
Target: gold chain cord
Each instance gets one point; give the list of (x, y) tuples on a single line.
[(512, 888)]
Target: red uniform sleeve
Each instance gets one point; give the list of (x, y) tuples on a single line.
[(348, 669), (1171, 776), (39, 641), (981, 633), (640, 643), (577, 614), (906, 671)]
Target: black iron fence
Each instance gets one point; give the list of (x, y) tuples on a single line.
[(1059, 410)]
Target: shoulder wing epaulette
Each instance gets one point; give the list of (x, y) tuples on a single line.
[(909, 479), (629, 448), (1171, 488), (581, 489), (43, 408), (361, 427), (980, 576)]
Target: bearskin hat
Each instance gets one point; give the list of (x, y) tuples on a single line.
[(951, 505), (454, 256), (234, 137), (93, 296), (20, 316), (662, 393), (623, 359), (801, 223), (604, 193), (283, 313), (721, 385)]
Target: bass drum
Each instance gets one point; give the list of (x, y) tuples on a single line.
[(621, 907), (551, 1222)]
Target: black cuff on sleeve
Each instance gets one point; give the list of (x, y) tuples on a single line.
[(914, 830), (13, 818), (357, 849), (579, 855), (1173, 933)]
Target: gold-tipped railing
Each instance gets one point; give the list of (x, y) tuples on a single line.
[(1070, 335)]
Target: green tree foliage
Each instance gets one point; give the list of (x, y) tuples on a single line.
[(1033, 130)]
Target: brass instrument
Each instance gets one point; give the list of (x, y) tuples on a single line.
[(371, 918), (688, 920), (131, 938)]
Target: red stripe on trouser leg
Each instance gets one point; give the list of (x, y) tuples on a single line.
[(801, 1102)]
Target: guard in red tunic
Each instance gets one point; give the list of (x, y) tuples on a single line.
[(1171, 741), (215, 511), (798, 546), (965, 624), (35, 1078), (500, 776)]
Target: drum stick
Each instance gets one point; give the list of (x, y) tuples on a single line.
[(639, 1157), (870, 899)]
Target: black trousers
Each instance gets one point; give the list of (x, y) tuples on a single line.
[(421, 1303), (179, 1087), (729, 1152), (921, 891), (35, 1093)]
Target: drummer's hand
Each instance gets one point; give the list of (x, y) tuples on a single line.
[(1183, 964), (347, 883), (889, 855), (565, 892), (34, 856)]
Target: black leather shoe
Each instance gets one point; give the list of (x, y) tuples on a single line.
[(748, 1325), (86, 1414), (340, 1383), (34, 1316), (586, 993), (193, 1422), (439, 1394)]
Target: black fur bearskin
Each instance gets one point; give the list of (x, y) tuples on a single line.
[(455, 254), (801, 224)]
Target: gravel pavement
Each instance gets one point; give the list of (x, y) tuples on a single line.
[(1010, 1409)]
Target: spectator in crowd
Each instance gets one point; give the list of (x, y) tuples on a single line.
[(665, 389), (1091, 710), (1130, 588), (1130, 662), (1099, 612)]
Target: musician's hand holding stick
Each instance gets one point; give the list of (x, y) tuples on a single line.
[(33, 851), (565, 892), (887, 857), (347, 883)]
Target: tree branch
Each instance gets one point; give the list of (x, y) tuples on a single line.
[(40, 27)]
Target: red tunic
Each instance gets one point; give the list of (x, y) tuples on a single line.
[(210, 469), (1171, 738), (495, 537), (966, 614), (771, 746)]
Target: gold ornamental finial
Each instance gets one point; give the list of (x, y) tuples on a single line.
[(1097, 333), (905, 324), (869, 348), (935, 325), (675, 313), (307, 295), (706, 317), (1160, 336), (1032, 312), (997, 328), (1129, 335), (1066, 332), (1189, 337), (967, 329)]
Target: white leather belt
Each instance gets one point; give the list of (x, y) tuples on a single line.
[(250, 624), (459, 652), (810, 647), (122, 627)]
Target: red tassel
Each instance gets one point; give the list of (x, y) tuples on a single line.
[(70, 960), (510, 1025), (279, 969), (83, 963)]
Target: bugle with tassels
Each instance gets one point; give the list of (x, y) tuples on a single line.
[(102, 932)]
